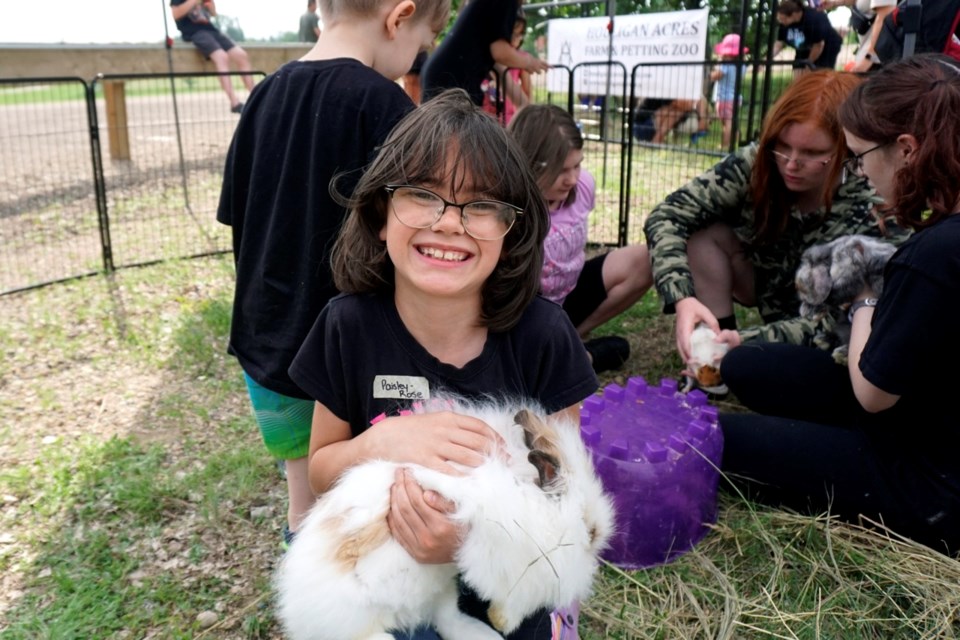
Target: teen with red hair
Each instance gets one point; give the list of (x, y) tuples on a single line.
[(736, 232), (885, 448)]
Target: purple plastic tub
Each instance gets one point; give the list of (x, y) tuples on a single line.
[(657, 452)]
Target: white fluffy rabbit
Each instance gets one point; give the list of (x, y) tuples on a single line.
[(534, 526), (705, 356)]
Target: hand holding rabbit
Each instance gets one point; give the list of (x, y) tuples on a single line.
[(533, 523), (420, 521), (690, 313), (444, 440)]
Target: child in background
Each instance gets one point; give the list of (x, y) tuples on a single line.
[(439, 262), (515, 87), (590, 291), (321, 115), (725, 76)]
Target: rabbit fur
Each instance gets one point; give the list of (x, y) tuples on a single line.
[(705, 356), (535, 520), (832, 274)]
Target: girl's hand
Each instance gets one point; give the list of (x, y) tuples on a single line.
[(731, 337), (434, 440), (418, 521), (691, 312), (536, 65)]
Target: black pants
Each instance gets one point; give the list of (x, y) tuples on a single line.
[(812, 448)]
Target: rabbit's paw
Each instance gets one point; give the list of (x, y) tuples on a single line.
[(840, 354), (497, 618)]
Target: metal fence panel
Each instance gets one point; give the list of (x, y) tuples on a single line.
[(127, 170), (163, 180), (48, 202)]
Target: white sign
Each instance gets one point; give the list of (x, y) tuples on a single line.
[(653, 38)]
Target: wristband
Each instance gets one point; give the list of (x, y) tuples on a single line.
[(860, 304)]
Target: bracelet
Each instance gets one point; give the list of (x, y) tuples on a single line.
[(860, 304)]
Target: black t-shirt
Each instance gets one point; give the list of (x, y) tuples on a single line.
[(304, 124), (913, 347), (814, 27), (914, 342), (463, 59), (360, 361), (197, 19)]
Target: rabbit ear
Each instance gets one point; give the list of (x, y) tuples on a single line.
[(540, 439), (547, 467)]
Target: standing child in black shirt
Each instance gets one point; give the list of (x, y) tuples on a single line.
[(314, 118)]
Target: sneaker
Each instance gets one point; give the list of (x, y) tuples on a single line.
[(606, 353), (288, 537), (237, 108), (564, 622), (696, 136), (686, 384)]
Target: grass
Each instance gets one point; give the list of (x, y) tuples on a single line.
[(136, 494), (40, 93)]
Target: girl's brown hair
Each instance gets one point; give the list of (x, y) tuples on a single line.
[(919, 96), (815, 97), (447, 131), (546, 134)]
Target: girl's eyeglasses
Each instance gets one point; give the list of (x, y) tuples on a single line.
[(420, 208), (853, 166), (802, 159)]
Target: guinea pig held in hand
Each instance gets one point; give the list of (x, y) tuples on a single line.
[(535, 519)]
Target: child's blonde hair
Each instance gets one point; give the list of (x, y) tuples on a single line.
[(437, 12)]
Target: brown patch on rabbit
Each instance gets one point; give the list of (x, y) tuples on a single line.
[(497, 619), (361, 543), (541, 439), (709, 376)]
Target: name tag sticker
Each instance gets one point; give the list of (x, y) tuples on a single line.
[(401, 387)]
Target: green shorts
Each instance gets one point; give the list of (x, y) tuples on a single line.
[(284, 421)]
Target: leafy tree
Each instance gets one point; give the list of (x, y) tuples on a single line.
[(230, 27)]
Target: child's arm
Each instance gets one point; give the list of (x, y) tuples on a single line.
[(511, 89), (183, 9), (435, 440), (504, 53)]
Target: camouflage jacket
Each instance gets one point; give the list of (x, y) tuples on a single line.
[(722, 194)]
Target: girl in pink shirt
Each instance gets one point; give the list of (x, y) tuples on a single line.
[(590, 291)]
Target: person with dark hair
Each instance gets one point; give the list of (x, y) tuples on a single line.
[(481, 37), (439, 264), (866, 18), (810, 33), (655, 118), (590, 291), (876, 441), (736, 233), (510, 86), (194, 20), (309, 23), (323, 115)]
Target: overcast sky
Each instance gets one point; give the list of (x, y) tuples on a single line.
[(106, 21)]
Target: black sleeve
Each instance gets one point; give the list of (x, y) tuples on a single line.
[(819, 24)]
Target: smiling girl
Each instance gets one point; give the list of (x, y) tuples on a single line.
[(439, 262)]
